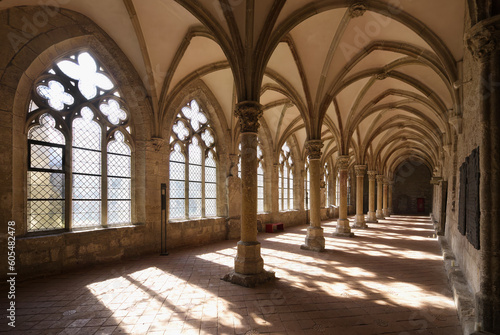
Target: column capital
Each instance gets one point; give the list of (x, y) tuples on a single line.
[(436, 180), (372, 175), (482, 39), (380, 178), (360, 170), (343, 162), (313, 148), (155, 143), (248, 113)]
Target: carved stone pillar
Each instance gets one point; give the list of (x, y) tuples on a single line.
[(343, 228), (385, 208), (360, 171), (380, 187), (248, 264), (483, 41), (372, 217), (389, 205), (315, 239)]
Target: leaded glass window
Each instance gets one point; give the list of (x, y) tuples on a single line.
[(285, 178), (307, 188), (46, 176), (77, 99), (119, 181), (260, 180), (193, 165), (337, 190), (327, 189)]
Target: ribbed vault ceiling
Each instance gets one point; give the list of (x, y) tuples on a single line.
[(374, 80)]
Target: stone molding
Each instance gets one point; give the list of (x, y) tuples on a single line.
[(156, 143), (249, 113), (482, 39), (357, 9), (372, 175), (343, 162), (381, 75), (380, 178), (313, 148), (360, 170), (436, 180), (233, 165)]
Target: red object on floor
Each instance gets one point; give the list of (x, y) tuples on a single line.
[(270, 227), (420, 205)]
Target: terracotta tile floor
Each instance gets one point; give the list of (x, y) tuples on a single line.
[(389, 279)]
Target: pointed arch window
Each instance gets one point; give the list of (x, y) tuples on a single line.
[(327, 184), (76, 99), (260, 180), (307, 184), (193, 165), (285, 179), (337, 190)]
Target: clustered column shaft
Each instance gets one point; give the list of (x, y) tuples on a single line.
[(372, 217), (315, 239), (343, 228), (360, 171), (380, 180)]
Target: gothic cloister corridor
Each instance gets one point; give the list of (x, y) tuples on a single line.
[(389, 279)]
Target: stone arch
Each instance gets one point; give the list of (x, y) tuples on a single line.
[(69, 32)]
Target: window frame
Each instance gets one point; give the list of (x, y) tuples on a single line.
[(184, 144), (39, 105)]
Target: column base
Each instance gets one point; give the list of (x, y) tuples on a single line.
[(372, 218), (386, 212), (315, 241), (380, 214), (248, 260), (249, 280), (360, 222), (343, 229)]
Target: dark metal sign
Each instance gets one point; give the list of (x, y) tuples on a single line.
[(469, 212)]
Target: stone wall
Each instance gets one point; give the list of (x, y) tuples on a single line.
[(45, 255), (468, 139)]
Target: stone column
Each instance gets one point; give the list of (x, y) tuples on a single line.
[(385, 198), (389, 205), (372, 217), (483, 41), (315, 239), (343, 228), (435, 200), (248, 264), (360, 171), (380, 212)]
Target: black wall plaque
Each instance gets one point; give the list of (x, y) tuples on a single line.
[(468, 205), (472, 199), (461, 199)]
